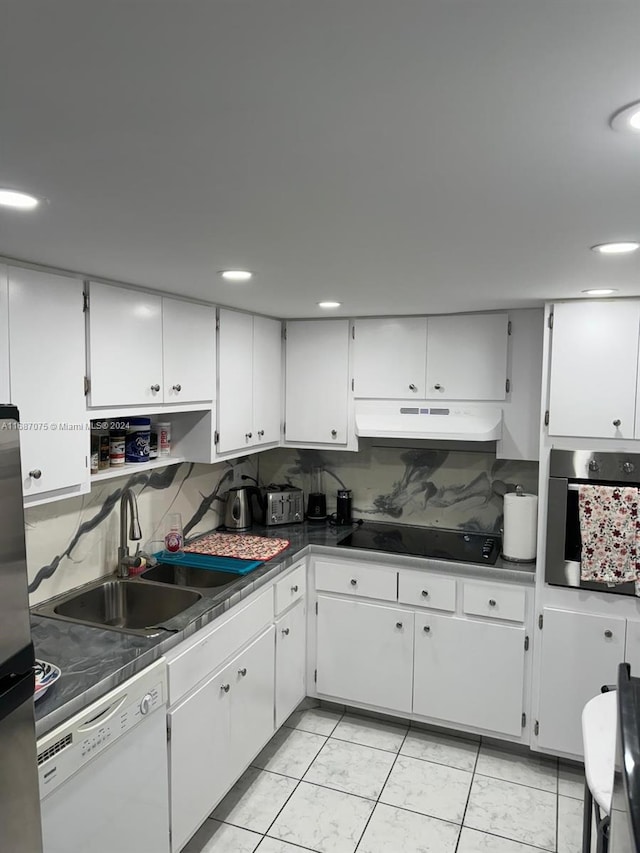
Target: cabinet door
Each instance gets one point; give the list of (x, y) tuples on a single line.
[(390, 357), (291, 648), (469, 672), (365, 653), (467, 357), (579, 654), (252, 678), (47, 359), (200, 768), (594, 364), (5, 388), (235, 403), (125, 346), (267, 380), (317, 379), (189, 351), (632, 647)]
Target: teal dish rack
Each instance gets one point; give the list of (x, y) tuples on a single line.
[(205, 561)]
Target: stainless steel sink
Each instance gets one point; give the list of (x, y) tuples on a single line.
[(189, 576), (125, 605)]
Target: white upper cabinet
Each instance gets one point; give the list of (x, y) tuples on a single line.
[(125, 346), (594, 369), (317, 382), (5, 393), (47, 357), (390, 357), (189, 351), (467, 357), (250, 370)]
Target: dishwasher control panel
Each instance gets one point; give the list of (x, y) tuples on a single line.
[(68, 748)]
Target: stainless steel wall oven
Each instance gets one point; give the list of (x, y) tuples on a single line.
[(568, 469)]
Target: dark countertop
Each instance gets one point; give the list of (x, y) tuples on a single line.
[(94, 661)]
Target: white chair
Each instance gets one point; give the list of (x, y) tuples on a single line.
[(599, 741)]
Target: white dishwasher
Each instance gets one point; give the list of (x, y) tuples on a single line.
[(103, 774)]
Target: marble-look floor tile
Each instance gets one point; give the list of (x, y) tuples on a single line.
[(318, 721), (473, 841), (370, 732), (442, 749), (273, 845), (351, 768), (323, 820), (532, 770), (255, 800), (431, 789), (571, 781), (570, 812), (216, 837), (290, 752), (397, 829), (512, 811)]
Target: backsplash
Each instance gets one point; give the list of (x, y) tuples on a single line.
[(428, 487), (75, 541)]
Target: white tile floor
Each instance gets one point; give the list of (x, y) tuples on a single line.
[(339, 783)]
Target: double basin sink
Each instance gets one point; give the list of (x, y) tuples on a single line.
[(144, 605)]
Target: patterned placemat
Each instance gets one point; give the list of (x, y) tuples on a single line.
[(237, 545)]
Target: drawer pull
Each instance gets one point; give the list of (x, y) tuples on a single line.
[(225, 687), (36, 473), (398, 624), (492, 602), (155, 387), (177, 387), (285, 631), (242, 671), (425, 593), (427, 629), (608, 634), (354, 582), (294, 588)]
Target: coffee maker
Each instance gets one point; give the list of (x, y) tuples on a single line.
[(317, 502)]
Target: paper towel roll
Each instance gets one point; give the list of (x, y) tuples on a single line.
[(520, 527)]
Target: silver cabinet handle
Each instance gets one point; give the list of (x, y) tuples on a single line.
[(492, 602), (36, 473), (438, 387), (628, 467), (260, 433), (334, 433), (427, 629), (225, 687), (242, 671), (608, 634), (248, 435), (425, 593), (294, 588), (617, 422), (412, 387), (155, 387), (285, 631), (398, 624), (354, 582), (177, 387)]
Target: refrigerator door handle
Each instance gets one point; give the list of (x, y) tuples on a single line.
[(15, 691)]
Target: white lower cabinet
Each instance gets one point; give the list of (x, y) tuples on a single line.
[(216, 731), (469, 672), (580, 653), (291, 651), (365, 653)]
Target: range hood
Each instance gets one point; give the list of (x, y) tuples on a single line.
[(427, 420)]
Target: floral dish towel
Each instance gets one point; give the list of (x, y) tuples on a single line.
[(609, 528)]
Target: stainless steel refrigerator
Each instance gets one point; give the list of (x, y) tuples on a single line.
[(20, 830)]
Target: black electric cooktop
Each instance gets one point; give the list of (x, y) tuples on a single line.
[(457, 545)]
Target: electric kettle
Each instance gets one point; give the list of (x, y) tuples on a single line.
[(237, 510)]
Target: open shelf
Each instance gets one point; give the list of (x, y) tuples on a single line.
[(135, 467)]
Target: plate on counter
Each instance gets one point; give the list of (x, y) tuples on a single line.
[(46, 675)]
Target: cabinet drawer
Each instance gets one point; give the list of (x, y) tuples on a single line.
[(424, 590), (354, 579), (494, 600), (213, 645), (290, 589)]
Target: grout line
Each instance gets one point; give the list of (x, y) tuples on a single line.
[(513, 782), (466, 805)]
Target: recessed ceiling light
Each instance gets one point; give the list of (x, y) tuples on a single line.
[(622, 248), (627, 119), (236, 275), (600, 291), (329, 304), (18, 200)]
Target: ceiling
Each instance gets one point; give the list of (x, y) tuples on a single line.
[(405, 156)]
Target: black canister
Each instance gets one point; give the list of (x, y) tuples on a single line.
[(343, 506)]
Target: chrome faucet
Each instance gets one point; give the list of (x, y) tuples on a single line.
[(129, 504)]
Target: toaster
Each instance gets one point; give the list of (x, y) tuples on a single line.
[(283, 504)]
